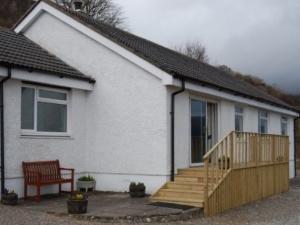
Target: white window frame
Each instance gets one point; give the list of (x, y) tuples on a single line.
[(239, 114), (283, 120), (34, 131), (263, 118)]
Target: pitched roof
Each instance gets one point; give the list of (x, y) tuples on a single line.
[(172, 62), (19, 51)]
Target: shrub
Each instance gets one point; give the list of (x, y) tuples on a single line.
[(86, 178)]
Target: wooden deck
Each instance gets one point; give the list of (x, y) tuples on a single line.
[(241, 168)]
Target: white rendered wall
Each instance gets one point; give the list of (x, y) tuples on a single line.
[(126, 111), (18, 148), (226, 110)]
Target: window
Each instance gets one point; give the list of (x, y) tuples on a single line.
[(263, 122), (284, 126), (239, 120), (44, 109)]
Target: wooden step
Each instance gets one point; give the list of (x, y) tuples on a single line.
[(192, 179), (197, 172), (185, 186), (180, 201), (189, 194)]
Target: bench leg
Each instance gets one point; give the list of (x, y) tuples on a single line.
[(38, 193), (72, 186), (25, 191), (59, 188)]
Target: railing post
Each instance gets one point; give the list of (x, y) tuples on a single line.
[(206, 184), (231, 149)]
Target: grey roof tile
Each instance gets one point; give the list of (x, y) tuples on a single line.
[(17, 50)]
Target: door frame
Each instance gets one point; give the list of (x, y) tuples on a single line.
[(206, 100)]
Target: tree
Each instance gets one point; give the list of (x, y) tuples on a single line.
[(12, 10), (194, 50), (105, 11)]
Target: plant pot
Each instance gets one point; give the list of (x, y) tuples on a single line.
[(9, 199), (137, 194), (86, 185), (77, 206), (224, 164)]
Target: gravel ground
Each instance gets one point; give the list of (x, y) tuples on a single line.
[(277, 210)]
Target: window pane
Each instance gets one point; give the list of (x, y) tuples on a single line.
[(27, 108), (263, 126), (52, 95), (51, 117), (239, 123), (283, 128), (263, 114), (238, 109)]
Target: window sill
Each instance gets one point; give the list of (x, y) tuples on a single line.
[(40, 135)]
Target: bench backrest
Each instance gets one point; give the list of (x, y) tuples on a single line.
[(49, 170)]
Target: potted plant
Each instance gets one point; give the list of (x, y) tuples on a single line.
[(9, 198), (87, 183), (222, 162), (137, 190), (77, 203)]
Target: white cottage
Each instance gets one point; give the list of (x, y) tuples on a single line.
[(136, 111)]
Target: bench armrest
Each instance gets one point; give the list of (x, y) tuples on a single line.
[(69, 169)]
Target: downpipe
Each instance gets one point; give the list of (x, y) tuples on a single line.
[(173, 128), (2, 153)]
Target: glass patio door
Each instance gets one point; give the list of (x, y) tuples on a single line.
[(198, 131), (204, 127)]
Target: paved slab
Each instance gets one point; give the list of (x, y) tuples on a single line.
[(104, 205)]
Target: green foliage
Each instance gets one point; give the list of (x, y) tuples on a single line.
[(86, 178), (7, 192), (77, 196), (136, 187)]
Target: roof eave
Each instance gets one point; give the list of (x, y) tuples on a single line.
[(179, 76)]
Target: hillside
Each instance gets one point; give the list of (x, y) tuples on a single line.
[(293, 100)]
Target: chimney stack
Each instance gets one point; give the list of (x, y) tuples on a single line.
[(77, 5)]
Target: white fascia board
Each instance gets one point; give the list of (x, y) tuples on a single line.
[(50, 79), (44, 7), (233, 98)]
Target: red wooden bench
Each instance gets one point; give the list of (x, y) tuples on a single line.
[(44, 173)]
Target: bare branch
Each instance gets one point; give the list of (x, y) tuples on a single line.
[(194, 50), (105, 11)]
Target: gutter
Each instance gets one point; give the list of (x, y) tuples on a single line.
[(2, 161), (173, 126)]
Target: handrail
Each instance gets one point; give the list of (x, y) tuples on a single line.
[(242, 150), (215, 146)]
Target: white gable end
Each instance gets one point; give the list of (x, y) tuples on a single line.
[(43, 8)]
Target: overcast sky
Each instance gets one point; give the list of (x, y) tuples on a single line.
[(260, 37)]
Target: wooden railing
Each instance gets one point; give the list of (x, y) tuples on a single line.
[(241, 160)]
